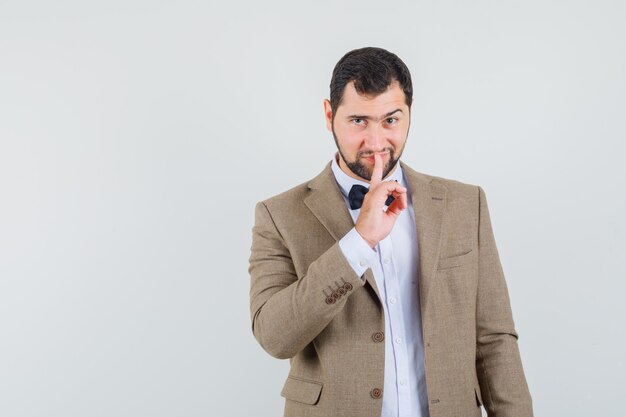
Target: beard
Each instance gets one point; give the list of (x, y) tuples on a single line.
[(360, 169)]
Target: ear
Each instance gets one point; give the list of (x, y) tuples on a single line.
[(328, 115)]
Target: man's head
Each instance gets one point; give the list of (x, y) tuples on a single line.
[(369, 110)]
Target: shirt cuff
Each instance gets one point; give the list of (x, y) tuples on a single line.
[(357, 251)]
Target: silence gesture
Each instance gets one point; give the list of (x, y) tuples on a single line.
[(374, 223)]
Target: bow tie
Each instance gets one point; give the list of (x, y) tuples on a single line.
[(357, 193)]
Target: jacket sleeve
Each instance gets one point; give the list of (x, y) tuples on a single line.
[(498, 363), (288, 313)]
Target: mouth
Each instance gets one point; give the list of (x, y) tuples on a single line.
[(370, 158)]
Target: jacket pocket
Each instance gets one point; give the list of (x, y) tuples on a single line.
[(302, 390), (454, 261)]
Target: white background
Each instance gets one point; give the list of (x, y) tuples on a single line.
[(136, 137)]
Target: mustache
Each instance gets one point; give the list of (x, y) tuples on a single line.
[(368, 153)]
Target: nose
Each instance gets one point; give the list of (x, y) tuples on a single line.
[(375, 138)]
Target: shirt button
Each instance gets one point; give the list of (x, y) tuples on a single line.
[(386, 260), (392, 300), (398, 340), (403, 382), (362, 263)]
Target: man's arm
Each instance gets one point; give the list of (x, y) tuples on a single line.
[(287, 313), (498, 363)]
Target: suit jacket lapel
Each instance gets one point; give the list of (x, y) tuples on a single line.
[(327, 204), (429, 202)]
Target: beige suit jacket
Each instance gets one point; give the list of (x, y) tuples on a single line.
[(307, 304)]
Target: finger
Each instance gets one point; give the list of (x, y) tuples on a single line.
[(387, 188), (377, 172), (384, 190), (399, 204)]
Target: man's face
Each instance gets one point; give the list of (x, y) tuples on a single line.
[(365, 125)]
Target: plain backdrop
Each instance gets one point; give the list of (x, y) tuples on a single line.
[(136, 137)]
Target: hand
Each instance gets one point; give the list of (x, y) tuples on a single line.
[(374, 224)]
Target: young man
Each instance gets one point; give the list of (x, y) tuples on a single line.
[(383, 285)]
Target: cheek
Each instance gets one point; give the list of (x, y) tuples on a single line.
[(351, 133), (398, 147), (347, 138), (397, 139), (398, 135)]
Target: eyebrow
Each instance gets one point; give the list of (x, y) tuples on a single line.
[(356, 116)]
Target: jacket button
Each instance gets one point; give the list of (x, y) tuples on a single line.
[(378, 337), (376, 393), (342, 290), (330, 300), (335, 295), (347, 286)]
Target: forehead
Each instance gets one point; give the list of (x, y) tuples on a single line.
[(391, 99)]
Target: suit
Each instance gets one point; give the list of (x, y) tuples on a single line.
[(307, 304)]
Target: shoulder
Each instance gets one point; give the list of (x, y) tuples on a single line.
[(287, 198), (292, 199)]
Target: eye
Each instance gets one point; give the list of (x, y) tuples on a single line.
[(391, 120), (358, 121)]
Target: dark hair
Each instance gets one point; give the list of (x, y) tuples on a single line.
[(372, 70)]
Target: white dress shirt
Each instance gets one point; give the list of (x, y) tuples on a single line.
[(394, 263)]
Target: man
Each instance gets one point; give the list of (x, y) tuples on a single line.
[(383, 285)]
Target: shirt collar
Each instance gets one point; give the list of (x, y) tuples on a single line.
[(346, 182)]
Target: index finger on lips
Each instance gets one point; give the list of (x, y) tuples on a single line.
[(377, 172)]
